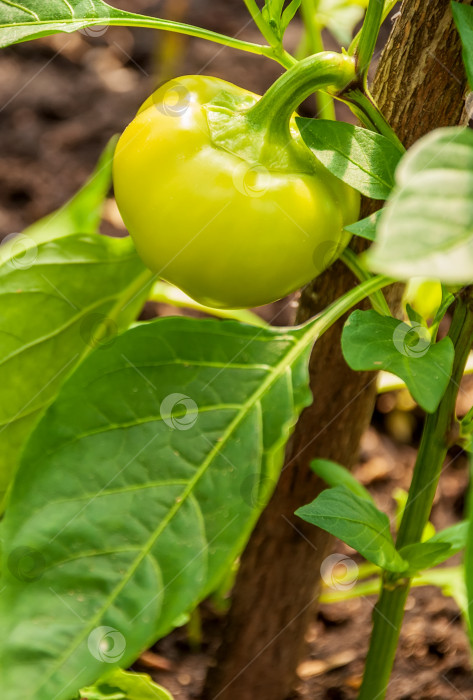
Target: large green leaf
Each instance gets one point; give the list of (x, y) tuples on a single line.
[(58, 300), (58, 297), (30, 19), (357, 522), (371, 341), (23, 20), (137, 490), (426, 228)]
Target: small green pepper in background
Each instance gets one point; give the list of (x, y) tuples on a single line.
[(223, 201)]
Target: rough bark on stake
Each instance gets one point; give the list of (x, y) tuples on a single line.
[(419, 85)]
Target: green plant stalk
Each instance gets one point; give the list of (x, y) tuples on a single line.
[(388, 6), (277, 52), (320, 71), (328, 71), (378, 300), (324, 101), (341, 306), (165, 293), (368, 38), (436, 439), (121, 18), (258, 19), (365, 108), (444, 578)]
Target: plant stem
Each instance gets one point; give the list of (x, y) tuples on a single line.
[(121, 18), (368, 38), (324, 101), (326, 69), (346, 302), (378, 300), (276, 50), (165, 293), (365, 108), (388, 6), (436, 439), (258, 19)]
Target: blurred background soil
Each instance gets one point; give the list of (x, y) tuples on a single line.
[(61, 99)]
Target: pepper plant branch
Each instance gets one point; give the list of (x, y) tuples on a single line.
[(341, 306), (320, 71), (368, 38), (122, 19), (328, 71), (324, 101), (364, 107), (378, 300), (276, 50), (388, 6), (258, 19), (436, 439)]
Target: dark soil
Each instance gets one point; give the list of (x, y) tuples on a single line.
[(61, 98)]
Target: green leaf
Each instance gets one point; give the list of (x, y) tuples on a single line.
[(335, 475), (455, 536), (424, 555), (363, 159), (29, 19), (373, 342), (58, 300), (289, 13), (58, 297), (463, 17), (426, 228), (366, 228), (137, 490), (120, 685), (357, 522)]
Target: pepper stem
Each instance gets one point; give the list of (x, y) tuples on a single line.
[(320, 71)]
